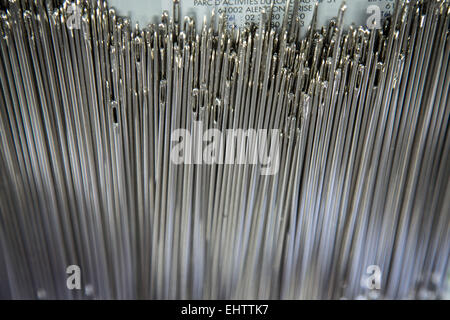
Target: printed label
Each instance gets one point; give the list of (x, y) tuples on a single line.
[(242, 12)]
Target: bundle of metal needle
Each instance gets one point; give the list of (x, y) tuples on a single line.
[(88, 109)]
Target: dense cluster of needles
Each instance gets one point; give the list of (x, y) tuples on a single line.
[(87, 112)]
